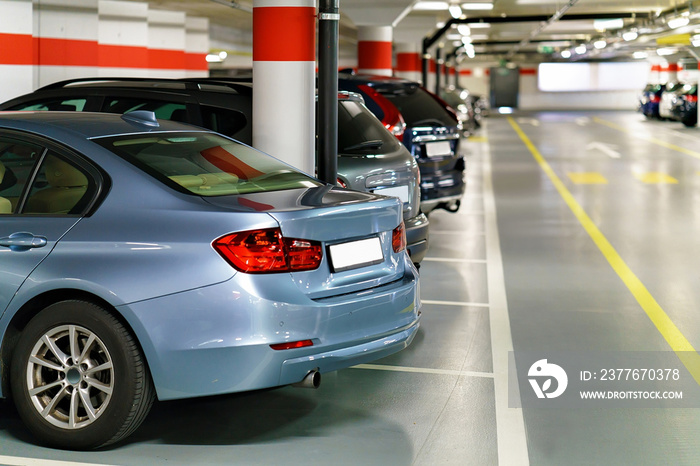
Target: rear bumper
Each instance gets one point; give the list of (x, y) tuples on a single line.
[(417, 237), (216, 339)]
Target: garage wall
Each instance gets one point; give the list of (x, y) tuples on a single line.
[(53, 40)]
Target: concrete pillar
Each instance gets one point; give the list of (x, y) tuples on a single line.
[(196, 47), (374, 50), (66, 38), (16, 49), (672, 72), (123, 38), (166, 44), (655, 74), (284, 41), (408, 62)]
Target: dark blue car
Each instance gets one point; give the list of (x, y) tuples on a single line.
[(426, 126), (649, 100)]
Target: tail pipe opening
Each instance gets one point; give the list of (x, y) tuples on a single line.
[(311, 380)]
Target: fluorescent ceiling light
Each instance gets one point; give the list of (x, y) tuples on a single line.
[(431, 6), (455, 11), (466, 40), (695, 40), (639, 55), (605, 24), (477, 6), (479, 25), (464, 29), (581, 49), (566, 54), (676, 23), (666, 51), (600, 44), (453, 36), (630, 35)]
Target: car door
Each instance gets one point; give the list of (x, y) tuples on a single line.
[(42, 195)]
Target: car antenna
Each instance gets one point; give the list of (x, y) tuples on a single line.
[(142, 117)]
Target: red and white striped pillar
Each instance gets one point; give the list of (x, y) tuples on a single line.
[(672, 72), (16, 48), (408, 62), (655, 74), (284, 73), (374, 50)]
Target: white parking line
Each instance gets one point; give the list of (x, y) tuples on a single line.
[(453, 303), (510, 425), (20, 461), (454, 259), (423, 370)]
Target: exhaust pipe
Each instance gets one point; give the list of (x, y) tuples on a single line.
[(311, 380)]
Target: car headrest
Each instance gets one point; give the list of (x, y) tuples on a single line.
[(60, 174)]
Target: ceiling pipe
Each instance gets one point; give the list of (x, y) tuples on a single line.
[(429, 41), (535, 32)]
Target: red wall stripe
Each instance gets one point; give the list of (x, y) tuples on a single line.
[(23, 49), (465, 72), (284, 33), (673, 67), (16, 49), (408, 61), (122, 56), (374, 55), (166, 59), (67, 52), (528, 71)]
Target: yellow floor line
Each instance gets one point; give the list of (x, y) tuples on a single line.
[(658, 142), (673, 336)]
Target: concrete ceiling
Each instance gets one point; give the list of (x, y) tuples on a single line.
[(520, 32)]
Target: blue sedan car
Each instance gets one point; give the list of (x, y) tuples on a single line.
[(144, 259)]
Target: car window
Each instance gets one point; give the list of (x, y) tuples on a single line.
[(417, 106), (65, 105), (206, 164), (361, 132), (222, 120), (163, 109), (60, 187), (17, 163)]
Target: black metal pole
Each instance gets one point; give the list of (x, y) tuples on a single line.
[(438, 69), (327, 118), (425, 58)]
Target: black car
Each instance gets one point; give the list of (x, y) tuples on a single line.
[(431, 133), (370, 159), (685, 107)]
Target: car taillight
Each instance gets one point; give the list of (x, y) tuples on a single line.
[(393, 121), (292, 345), (691, 98), (655, 99), (267, 251), (398, 238)]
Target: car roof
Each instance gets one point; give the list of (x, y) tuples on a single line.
[(371, 78), (151, 84), (88, 124)]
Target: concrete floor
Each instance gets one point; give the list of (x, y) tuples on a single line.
[(513, 269)]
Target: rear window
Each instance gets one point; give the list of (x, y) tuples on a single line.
[(360, 132), (206, 164), (417, 106)]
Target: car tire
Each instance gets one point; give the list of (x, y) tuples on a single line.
[(91, 402)]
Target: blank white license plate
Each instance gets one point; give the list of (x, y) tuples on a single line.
[(438, 148), (354, 254), (397, 191)]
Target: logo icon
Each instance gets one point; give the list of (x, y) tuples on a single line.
[(542, 370)]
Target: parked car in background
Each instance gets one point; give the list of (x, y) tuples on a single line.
[(459, 100), (144, 258), (668, 99), (426, 126), (649, 100), (685, 108), (370, 159)]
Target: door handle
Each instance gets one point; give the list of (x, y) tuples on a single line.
[(23, 241)]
